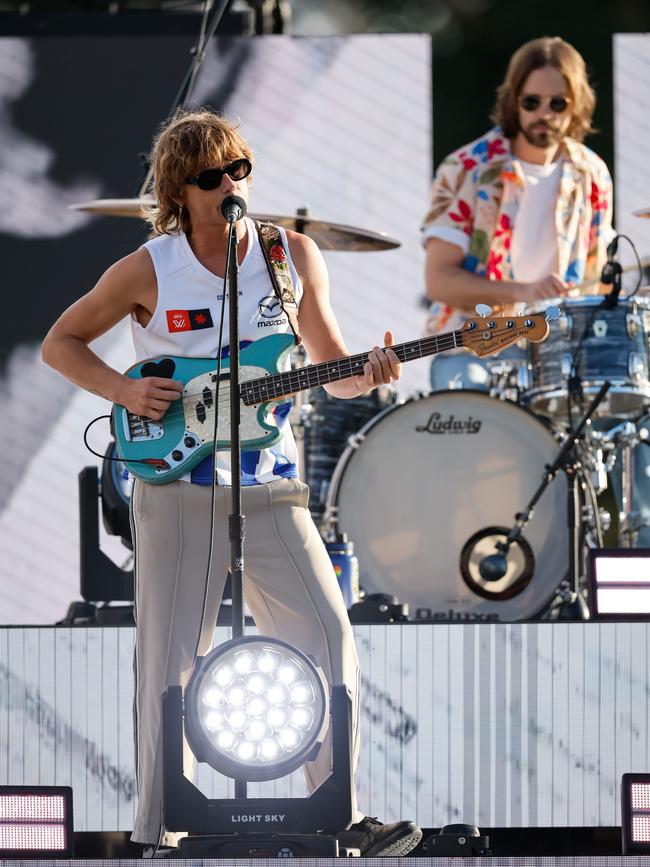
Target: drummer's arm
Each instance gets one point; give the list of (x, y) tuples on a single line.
[(320, 330), (447, 281)]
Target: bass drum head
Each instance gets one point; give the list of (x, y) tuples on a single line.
[(431, 487)]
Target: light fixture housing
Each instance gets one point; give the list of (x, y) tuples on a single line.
[(619, 583), (635, 814), (36, 822), (256, 708)]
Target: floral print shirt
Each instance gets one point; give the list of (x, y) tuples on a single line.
[(478, 189)]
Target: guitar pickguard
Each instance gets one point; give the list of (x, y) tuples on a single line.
[(198, 407)]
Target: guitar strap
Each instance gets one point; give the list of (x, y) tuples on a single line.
[(277, 263)]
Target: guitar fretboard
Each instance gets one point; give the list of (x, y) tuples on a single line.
[(266, 388)]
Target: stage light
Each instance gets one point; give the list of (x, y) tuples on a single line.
[(256, 708), (36, 822), (635, 814), (619, 583)]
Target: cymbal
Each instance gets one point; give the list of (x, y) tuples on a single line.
[(328, 236), (116, 207), (332, 236)]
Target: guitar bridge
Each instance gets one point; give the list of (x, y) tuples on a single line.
[(138, 428)]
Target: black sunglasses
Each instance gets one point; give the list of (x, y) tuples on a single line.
[(210, 179), (557, 104)]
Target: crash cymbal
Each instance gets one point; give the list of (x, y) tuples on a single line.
[(328, 236), (332, 236), (116, 207)]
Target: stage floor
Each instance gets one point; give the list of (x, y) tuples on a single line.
[(581, 861)]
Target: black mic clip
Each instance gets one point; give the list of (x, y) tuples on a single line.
[(611, 275)]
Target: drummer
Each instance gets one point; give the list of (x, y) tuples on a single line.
[(522, 213)]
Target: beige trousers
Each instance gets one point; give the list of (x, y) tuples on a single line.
[(289, 586)]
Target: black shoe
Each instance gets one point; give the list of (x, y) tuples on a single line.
[(374, 838), (154, 851)]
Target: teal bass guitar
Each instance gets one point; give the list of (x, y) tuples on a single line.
[(161, 451)]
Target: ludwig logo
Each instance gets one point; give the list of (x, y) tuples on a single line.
[(450, 425)]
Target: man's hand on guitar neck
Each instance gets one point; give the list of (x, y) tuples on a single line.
[(382, 367)]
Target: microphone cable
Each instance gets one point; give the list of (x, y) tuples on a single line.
[(213, 497)]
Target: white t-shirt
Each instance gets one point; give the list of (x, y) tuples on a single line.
[(534, 250)]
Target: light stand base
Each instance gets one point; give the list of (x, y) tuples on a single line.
[(263, 846)]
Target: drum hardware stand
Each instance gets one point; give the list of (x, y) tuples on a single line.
[(627, 437), (570, 594)]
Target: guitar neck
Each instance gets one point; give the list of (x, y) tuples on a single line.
[(255, 391)]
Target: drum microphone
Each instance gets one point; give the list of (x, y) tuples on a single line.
[(611, 275), (233, 208), (493, 567)]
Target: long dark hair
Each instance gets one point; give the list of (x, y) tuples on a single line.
[(546, 51)]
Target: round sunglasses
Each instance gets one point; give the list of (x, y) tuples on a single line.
[(532, 102), (210, 179)]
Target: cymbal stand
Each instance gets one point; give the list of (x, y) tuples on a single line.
[(626, 436)]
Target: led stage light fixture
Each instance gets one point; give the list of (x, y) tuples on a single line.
[(36, 822), (256, 708)]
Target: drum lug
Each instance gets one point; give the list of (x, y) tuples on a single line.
[(605, 520), (633, 323), (523, 377), (566, 365), (355, 440), (635, 366), (304, 418), (565, 324)]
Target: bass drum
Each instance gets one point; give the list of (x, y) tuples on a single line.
[(427, 489)]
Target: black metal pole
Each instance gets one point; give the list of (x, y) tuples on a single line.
[(236, 520), (197, 53)]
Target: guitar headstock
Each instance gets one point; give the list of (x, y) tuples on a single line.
[(487, 335)]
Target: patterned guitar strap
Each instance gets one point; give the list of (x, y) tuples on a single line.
[(277, 262)]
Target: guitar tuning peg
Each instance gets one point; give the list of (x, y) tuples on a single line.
[(483, 310), (552, 313)]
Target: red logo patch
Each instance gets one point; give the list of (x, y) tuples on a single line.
[(178, 320)]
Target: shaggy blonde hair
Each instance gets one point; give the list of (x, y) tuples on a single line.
[(190, 142), (537, 54)]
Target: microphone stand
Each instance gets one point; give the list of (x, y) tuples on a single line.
[(495, 566), (236, 520)]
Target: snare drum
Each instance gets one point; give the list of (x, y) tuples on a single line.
[(602, 345), (423, 485)]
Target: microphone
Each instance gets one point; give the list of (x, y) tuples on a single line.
[(233, 208), (611, 275), (493, 567)]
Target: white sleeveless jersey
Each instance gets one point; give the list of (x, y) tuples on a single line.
[(186, 323)]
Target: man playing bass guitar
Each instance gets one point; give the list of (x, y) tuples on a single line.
[(170, 289)]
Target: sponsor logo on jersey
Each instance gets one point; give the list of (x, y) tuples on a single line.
[(188, 320)]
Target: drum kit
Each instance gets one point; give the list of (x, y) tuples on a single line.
[(529, 474)]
